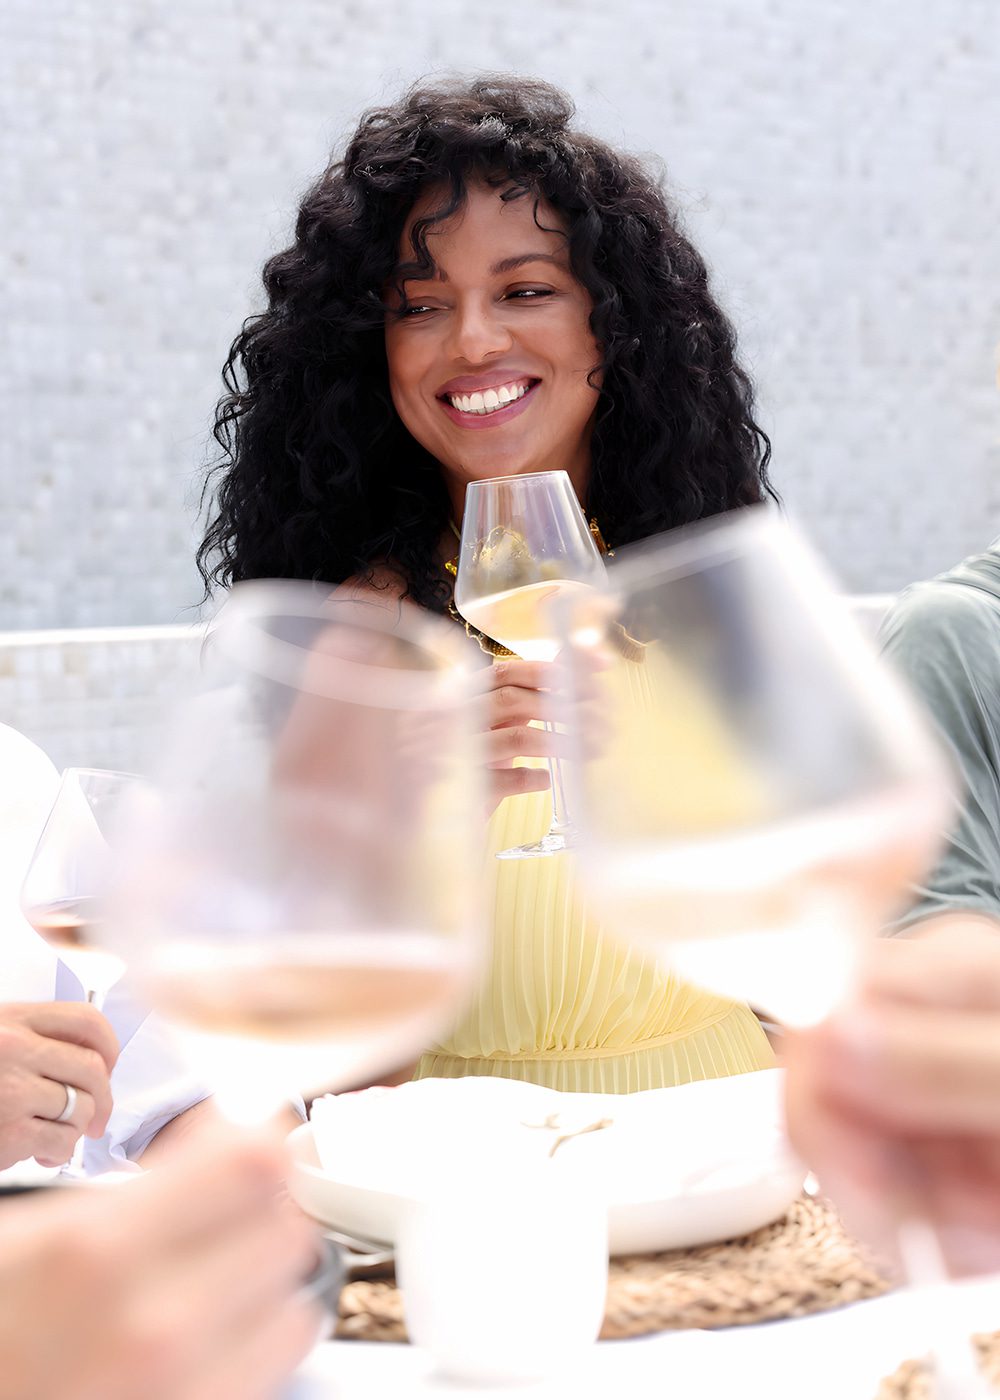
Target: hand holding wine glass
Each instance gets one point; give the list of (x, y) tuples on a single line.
[(56, 1060), (760, 812), (911, 1066), (526, 546), (63, 898)]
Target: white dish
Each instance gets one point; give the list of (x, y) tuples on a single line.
[(677, 1167)]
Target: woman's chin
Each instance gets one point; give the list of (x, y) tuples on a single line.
[(500, 462)]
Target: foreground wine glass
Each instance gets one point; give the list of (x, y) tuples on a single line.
[(763, 790), (526, 545), (762, 795), (69, 872), (299, 899)]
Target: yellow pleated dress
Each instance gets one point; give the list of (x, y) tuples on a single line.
[(569, 1005)]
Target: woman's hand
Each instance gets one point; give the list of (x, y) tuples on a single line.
[(895, 1103), (516, 693)]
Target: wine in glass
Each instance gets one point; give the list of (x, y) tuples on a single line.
[(300, 898), (63, 891), (526, 546)]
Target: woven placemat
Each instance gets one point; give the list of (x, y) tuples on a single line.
[(803, 1263), (912, 1380)]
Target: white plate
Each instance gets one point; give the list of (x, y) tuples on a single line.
[(677, 1167)]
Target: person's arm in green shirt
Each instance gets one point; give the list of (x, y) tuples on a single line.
[(944, 638)]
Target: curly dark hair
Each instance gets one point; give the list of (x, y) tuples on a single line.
[(319, 478)]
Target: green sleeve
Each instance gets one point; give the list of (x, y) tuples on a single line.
[(945, 639)]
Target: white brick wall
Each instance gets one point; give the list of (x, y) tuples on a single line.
[(837, 161), (96, 697), (100, 697)]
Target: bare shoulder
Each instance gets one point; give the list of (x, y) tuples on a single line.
[(384, 586)]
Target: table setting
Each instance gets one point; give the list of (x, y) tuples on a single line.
[(296, 892), (688, 1290)]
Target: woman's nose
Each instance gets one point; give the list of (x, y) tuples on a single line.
[(479, 333)]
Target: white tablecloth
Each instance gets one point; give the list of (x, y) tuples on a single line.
[(840, 1355)]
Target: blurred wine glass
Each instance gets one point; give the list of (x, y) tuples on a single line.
[(526, 546), (300, 896), (64, 888), (764, 791), (763, 795)]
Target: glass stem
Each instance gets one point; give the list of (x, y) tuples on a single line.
[(560, 813), (74, 1167)]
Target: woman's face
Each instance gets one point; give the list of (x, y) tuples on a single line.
[(489, 361)]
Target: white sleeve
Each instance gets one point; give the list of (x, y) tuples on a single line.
[(151, 1082)]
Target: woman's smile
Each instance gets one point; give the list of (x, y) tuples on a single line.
[(488, 402)]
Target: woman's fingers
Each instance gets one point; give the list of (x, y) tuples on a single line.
[(519, 697), (513, 705), (513, 673), (515, 782), (502, 746)]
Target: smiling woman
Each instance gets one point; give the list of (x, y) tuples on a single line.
[(477, 289), (328, 472)]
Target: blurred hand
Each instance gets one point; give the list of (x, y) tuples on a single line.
[(895, 1102), (181, 1285), (44, 1046)]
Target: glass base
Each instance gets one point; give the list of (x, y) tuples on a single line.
[(553, 844)]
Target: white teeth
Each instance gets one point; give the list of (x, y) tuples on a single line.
[(490, 400)]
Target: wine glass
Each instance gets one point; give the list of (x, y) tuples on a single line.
[(525, 545), (299, 898), (68, 875), (765, 792)]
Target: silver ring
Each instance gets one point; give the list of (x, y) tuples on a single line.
[(70, 1106)]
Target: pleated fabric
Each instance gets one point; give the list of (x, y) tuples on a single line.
[(569, 1005)]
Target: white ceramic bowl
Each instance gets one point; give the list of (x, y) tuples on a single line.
[(677, 1167)]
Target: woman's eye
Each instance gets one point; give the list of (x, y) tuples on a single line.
[(411, 312), (529, 293)]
